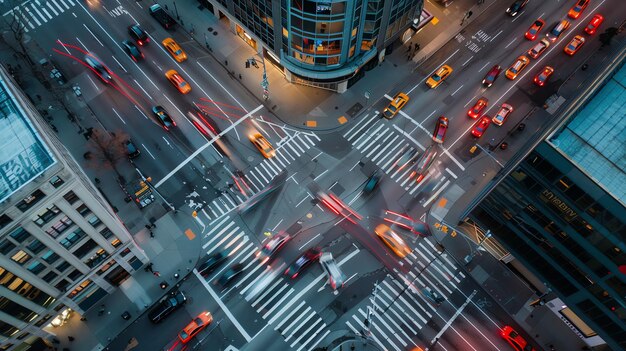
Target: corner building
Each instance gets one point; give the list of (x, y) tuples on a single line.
[(61, 245), (326, 44), (562, 213)]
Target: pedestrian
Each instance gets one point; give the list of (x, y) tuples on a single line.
[(417, 47), (408, 57), (102, 310), (151, 234), (153, 225), (83, 319), (156, 273), (70, 338), (408, 48), (148, 226), (149, 267)]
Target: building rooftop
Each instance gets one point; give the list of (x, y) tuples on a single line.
[(595, 137), (23, 154)]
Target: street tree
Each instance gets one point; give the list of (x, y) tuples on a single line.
[(106, 150)]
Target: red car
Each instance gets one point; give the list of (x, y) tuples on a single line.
[(440, 130), (480, 127), (514, 339), (594, 24), (197, 324), (492, 75), (542, 77), (478, 108), (531, 33), (577, 9)]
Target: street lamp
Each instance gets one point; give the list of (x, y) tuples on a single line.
[(470, 257)]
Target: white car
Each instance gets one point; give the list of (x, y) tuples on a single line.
[(336, 278)]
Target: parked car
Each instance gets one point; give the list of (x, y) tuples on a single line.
[(336, 278), (168, 304), (441, 128), (574, 45), (593, 25), (161, 16), (502, 114), (272, 246), (301, 263), (212, 263), (131, 150)]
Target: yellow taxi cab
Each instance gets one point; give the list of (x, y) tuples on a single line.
[(263, 145), (395, 105), (174, 49), (439, 76), (197, 324), (517, 67), (178, 81), (393, 240), (574, 45)]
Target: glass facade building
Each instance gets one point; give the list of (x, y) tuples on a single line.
[(561, 212), (62, 247), (326, 44)]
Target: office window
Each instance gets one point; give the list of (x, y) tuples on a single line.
[(83, 210), (23, 288), (30, 200), (36, 267), (16, 310), (71, 197), (85, 249), (21, 257), (4, 221), (63, 266), (50, 277), (46, 215), (116, 242), (56, 181), (6, 247), (75, 274), (36, 246), (7, 330), (50, 257), (106, 233), (94, 221), (19, 235), (62, 284)]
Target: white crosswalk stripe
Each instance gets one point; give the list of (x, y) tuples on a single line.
[(302, 327), (36, 13), (262, 174), (401, 307)]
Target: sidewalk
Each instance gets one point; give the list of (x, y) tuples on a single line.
[(319, 109), (511, 293), (176, 247)]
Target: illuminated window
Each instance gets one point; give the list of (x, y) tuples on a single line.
[(21, 257)]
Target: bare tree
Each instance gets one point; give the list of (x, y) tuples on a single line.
[(106, 150), (15, 22)]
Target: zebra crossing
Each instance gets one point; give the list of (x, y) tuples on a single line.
[(383, 145), (287, 150), (35, 13), (278, 302), (400, 307)]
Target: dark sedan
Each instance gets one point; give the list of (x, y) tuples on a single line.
[(229, 276), (168, 304), (98, 68), (492, 75), (516, 7), (309, 256), (213, 262), (132, 50), (163, 117)]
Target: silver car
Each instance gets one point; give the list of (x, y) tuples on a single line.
[(336, 278)]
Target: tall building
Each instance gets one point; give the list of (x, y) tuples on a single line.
[(61, 245), (562, 212), (326, 44)]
